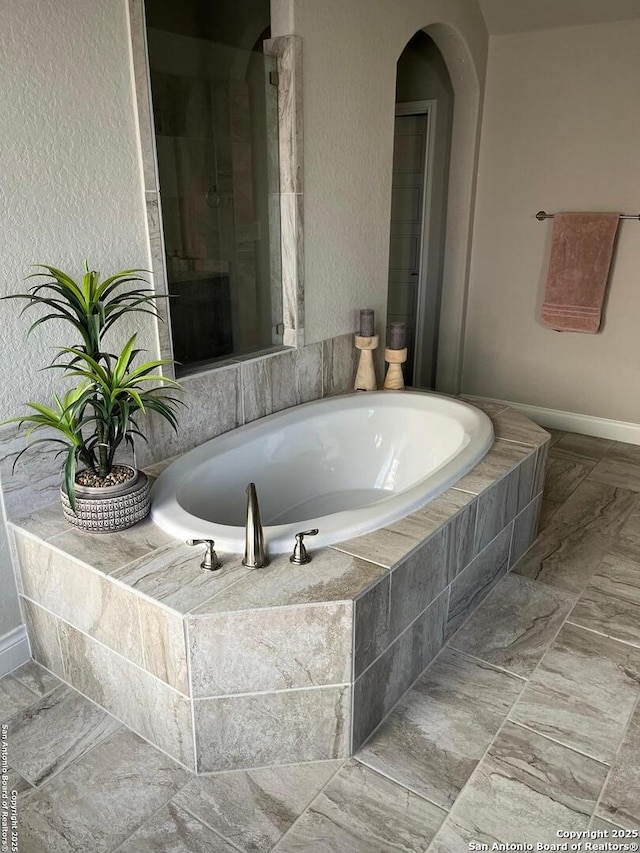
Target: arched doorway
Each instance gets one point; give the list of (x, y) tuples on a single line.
[(422, 145)]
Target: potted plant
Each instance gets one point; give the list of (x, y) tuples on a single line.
[(98, 416)]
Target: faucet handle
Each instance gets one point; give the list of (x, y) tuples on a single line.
[(210, 563), (300, 556)]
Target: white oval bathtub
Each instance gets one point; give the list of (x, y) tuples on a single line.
[(346, 465)]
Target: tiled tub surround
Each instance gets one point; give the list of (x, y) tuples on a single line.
[(283, 664)]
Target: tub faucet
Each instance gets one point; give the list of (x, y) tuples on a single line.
[(255, 556)]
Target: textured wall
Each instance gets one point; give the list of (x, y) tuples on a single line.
[(70, 184), (560, 132), (350, 51)]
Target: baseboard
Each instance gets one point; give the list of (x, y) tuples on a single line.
[(14, 650), (575, 422)]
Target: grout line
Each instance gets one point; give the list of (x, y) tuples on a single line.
[(148, 818), (202, 822), (614, 760), (404, 785), (339, 684), (192, 710), (404, 631), (600, 633), (559, 742), (313, 799), (486, 663), (414, 682), (100, 643)]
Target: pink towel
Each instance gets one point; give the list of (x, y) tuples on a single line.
[(581, 252)]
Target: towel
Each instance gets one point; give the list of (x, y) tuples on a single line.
[(581, 252)]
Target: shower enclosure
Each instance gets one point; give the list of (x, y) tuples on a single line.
[(215, 115)]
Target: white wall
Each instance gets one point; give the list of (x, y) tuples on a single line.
[(350, 50), (560, 132), (70, 183)]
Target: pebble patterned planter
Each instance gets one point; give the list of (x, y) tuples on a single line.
[(105, 510)]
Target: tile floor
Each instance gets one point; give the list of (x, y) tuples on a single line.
[(526, 724)]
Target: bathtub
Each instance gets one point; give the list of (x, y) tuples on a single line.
[(345, 465)]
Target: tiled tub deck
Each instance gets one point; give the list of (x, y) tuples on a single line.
[(285, 664)]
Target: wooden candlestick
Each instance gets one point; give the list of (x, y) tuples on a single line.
[(366, 374), (395, 358)]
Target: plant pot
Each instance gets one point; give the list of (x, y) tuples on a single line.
[(111, 508)]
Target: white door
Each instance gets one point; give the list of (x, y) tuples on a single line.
[(409, 206)]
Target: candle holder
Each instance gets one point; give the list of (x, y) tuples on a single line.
[(395, 358), (366, 373)]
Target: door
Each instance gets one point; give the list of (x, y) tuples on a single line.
[(407, 249)]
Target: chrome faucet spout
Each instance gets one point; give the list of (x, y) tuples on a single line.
[(255, 555)]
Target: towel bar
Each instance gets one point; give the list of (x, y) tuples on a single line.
[(541, 214)]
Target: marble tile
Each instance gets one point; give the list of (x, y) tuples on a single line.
[(475, 582), (281, 381), (362, 812), (54, 732), (254, 808), (540, 471), (523, 791), (276, 648), (100, 799), (490, 407), (330, 576), (497, 506), (616, 471), (417, 581), (143, 102), (548, 510), (174, 829), (46, 522), (42, 629), (340, 363), (292, 266), (433, 740), (620, 802), (164, 645), (564, 557), (610, 603), (158, 468), (623, 452), (556, 435), (499, 461), (599, 824), (107, 553), (378, 689), (36, 678), (287, 727), (582, 446), (80, 596), (525, 529), (510, 425), (16, 783), (214, 406), (173, 576), (34, 482), (597, 507), (135, 697), (371, 630), (392, 544), (389, 545), (515, 624), (461, 527), (14, 697), (288, 49), (563, 475), (583, 692)]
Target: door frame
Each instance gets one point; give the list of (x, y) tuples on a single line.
[(428, 108)]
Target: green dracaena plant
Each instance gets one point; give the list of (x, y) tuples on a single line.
[(94, 419)]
